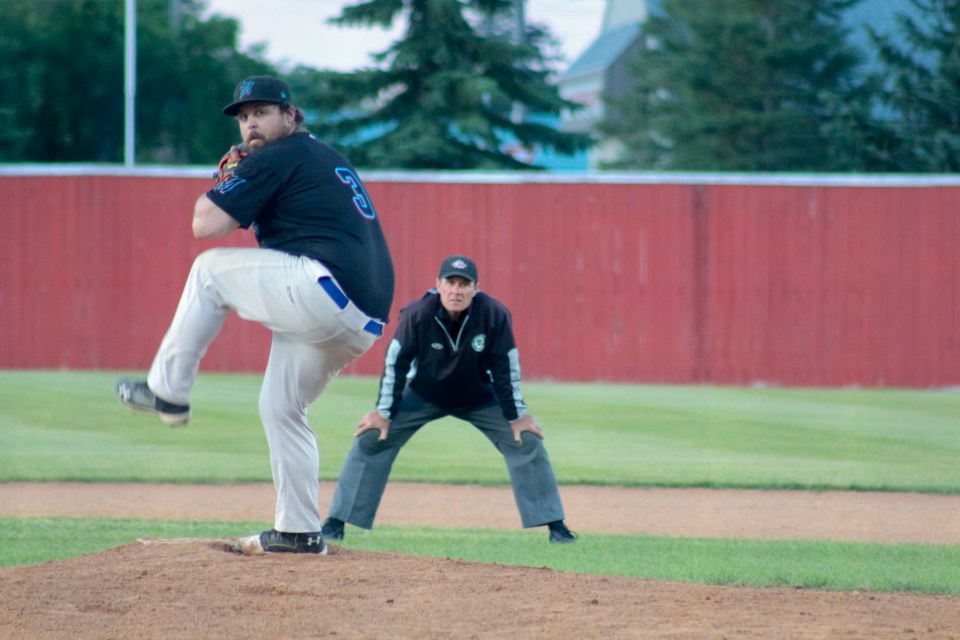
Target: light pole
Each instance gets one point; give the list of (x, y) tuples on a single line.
[(519, 37), (130, 80)]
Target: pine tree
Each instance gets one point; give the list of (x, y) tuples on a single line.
[(444, 96), (743, 85), (922, 95)]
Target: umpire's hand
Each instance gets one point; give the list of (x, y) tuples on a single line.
[(524, 423), (373, 420)]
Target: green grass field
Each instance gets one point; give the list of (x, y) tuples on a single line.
[(62, 426)]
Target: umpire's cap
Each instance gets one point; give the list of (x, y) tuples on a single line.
[(258, 89), (458, 266)]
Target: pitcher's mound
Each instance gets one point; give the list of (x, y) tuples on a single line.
[(188, 588)]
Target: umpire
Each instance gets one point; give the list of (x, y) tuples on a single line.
[(453, 354)]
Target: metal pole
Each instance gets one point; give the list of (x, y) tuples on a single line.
[(519, 25), (130, 80), (519, 37)]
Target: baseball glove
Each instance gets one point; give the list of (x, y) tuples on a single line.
[(228, 164)]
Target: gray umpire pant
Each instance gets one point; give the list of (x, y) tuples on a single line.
[(364, 475)]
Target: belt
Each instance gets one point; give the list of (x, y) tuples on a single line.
[(341, 300)]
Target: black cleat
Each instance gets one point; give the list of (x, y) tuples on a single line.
[(136, 395), (274, 541), (333, 529), (559, 534)]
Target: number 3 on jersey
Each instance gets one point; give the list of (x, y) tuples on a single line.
[(360, 198)]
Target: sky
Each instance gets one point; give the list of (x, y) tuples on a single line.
[(296, 32)]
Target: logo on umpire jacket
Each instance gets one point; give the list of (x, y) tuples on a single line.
[(478, 342)]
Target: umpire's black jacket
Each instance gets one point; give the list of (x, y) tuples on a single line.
[(453, 365)]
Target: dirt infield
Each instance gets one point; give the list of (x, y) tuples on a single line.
[(193, 589)]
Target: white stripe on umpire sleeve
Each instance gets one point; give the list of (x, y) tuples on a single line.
[(514, 356), (388, 384)]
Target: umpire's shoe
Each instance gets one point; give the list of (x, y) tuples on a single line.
[(559, 534), (136, 395), (333, 529), (274, 541)]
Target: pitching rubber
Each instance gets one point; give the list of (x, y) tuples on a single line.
[(249, 546), (246, 546), (225, 544)]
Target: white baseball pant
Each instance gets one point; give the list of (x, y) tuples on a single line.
[(313, 340)]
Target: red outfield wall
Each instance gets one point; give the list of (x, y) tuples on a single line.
[(671, 279)]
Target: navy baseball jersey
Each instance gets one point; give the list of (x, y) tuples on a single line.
[(276, 193)]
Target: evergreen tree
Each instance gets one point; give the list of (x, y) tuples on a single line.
[(743, 85), (446, 95), (922, 94)]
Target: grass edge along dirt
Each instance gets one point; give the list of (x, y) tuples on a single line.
[(827, 565)]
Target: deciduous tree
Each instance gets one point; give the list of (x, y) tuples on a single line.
[(62, 81)]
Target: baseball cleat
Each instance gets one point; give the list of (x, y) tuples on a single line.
[(333, 529), (136, 395), (559, 534), (274, 541)]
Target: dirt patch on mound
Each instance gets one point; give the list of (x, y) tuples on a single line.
[(194, 589)]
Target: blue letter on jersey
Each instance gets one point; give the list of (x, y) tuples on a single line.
[(360, 198)]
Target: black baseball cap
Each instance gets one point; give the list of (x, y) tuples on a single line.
[(258, 89), (458, 266)]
